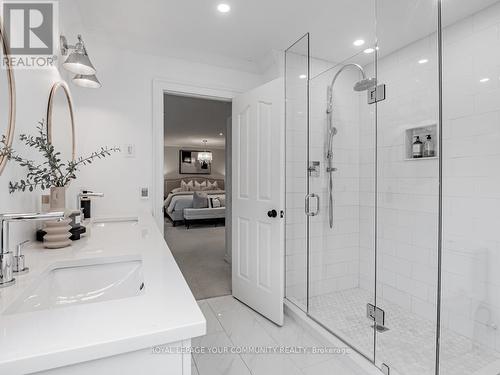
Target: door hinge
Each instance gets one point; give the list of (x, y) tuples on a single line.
[(376, 314), (376, 94)]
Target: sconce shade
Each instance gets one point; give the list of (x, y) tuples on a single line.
[(87, 81), (79, 63)]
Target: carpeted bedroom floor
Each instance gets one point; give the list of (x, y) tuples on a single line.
[(199, 252)]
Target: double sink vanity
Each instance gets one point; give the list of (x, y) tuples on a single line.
[(113, 302)]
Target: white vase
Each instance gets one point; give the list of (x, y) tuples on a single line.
[(57, 234), (58, 198)]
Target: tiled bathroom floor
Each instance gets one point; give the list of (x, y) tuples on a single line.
[(233, 325), (409, 345)]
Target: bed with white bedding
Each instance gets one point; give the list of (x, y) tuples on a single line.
[(175, 203), (179, 195)]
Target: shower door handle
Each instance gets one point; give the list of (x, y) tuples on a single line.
[(307, 208)]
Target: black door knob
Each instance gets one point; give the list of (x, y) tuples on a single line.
[(272, 213)]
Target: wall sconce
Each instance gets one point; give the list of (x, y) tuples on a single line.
[(87, 81), (78, 62)]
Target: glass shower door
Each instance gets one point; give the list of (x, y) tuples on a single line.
[(341, 200), (297, 107), (407, 187)]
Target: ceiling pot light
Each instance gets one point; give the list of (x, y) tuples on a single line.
[(78, 61), (358, 42), (223, 8), (221, 134), (423, 61), (87, 81), (369, 50), (303, 76), (483, 80)]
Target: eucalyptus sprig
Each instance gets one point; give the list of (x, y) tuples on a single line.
[(52, 172)]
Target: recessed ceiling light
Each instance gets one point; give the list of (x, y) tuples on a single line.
[(359, 42), (369, 50), (223, 8), (423, 61), (221, 134), (483, 80), (303, 76)]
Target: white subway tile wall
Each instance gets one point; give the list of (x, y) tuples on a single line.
[(334, 253), (471, 207)]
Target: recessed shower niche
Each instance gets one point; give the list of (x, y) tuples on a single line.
[(422, 133)]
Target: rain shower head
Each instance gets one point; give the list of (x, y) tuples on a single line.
[(365, 84)]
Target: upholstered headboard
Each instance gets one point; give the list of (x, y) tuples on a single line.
[(172, 183)]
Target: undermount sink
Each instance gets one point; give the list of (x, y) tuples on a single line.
[(90, 281)]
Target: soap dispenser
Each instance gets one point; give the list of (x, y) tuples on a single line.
[(429, 147), (418, 148)]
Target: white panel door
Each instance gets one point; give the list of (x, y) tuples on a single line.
[(258, 198)]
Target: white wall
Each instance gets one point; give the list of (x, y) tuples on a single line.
[(118, 114), (334, 252), (121, 113), (407, 190), (171, 162), (32, 93), (471, 299)]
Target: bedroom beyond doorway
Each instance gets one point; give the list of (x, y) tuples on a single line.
[(196, 157)]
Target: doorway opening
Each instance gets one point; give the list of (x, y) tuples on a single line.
[(197, 164)]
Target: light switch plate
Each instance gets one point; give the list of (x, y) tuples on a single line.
[(129, 150), (145, 193)]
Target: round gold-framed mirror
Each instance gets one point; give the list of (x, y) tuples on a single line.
[(61, 121), (7, 99)]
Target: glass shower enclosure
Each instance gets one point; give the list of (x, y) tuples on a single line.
[(393, 185)]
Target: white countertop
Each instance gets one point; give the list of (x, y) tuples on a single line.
[(165, 313)]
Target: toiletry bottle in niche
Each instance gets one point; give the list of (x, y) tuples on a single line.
[(418, 148), (429, 147)]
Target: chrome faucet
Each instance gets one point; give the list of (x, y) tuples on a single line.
[(85, 196), (19, 263), (6, 256)]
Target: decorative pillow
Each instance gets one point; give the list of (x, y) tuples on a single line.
[(177, 190), (222, 201), (212, 185), (198, 186), (215, 202), (200, 199), (187, 186)]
